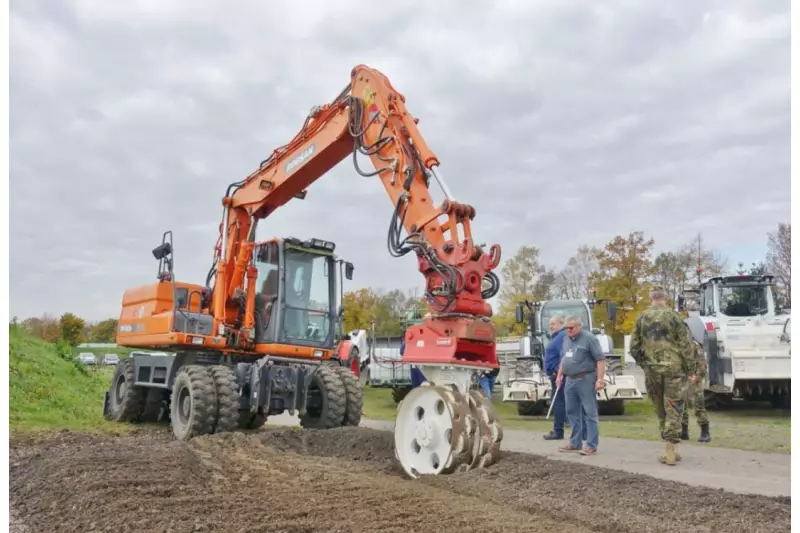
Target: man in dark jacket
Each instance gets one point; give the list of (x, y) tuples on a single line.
[(552, 360)]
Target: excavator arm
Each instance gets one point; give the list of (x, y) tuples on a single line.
[(370, 118)]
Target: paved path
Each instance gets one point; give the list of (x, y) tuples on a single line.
[(732, 470)]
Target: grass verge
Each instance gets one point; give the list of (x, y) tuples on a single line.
[(745, 428), (48, 392)]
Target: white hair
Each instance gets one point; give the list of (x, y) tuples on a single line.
[(575, 319)]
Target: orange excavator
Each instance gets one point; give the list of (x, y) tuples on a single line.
[(257, 339)]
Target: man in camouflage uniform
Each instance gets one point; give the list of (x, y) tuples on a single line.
[(661, 345), (695, 397)]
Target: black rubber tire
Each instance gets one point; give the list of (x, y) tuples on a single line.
[(328, 382), (153, 403), (195, 384), (531, 408), (614, 367), (354, 397), (611, 408), (128, 406), (226, 406), (399, 393)]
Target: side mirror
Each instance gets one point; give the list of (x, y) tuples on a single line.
[(681, 303), (612, 312), (348, 271), (520, 314), (786, 336), (162, 251)]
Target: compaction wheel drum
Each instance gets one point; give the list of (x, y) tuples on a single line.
[(427, 433)]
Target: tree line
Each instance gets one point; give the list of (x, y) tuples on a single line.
[(363, 309), (622, 271), (69, 328)]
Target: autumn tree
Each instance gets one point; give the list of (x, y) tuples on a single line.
[(574, 280), (71, 327), (523, 278), (45, 327), (670, 271), (104, 331), (697, 253), (623, 275), (779, 260), (386, 310)]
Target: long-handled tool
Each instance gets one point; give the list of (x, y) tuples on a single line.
[(552, 401)]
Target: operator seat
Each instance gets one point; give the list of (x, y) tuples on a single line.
[(264, 302)]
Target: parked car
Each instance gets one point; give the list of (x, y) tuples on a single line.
[(87, 358), (110, 359)]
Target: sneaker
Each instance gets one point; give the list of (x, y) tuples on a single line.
[(568, 448), (588, 451), (553, 436)]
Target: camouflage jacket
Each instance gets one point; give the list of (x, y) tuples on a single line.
[(661, 341), (700, 358)]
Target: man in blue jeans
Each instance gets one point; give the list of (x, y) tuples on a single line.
[(552, 360), (582, 371)]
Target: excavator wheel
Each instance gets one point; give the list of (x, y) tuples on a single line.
[(354, 400), (193, 403), (126, 401), (435, 431), (327, 399), (226, 407)]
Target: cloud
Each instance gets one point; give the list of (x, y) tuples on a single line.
[(563, 123)]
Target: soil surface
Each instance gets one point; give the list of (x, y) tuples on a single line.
[(343, 480)]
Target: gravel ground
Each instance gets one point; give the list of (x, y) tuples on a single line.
[(344, 480)]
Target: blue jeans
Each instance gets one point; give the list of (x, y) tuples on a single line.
[(581, 400), (559, 408), (487, 385), (417, 377)]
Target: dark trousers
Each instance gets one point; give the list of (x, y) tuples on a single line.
[(559, 408)]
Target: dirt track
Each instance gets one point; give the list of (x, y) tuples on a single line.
[(284, 480)]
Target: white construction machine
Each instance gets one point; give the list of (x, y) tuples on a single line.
[(746, 340), (526, 383)]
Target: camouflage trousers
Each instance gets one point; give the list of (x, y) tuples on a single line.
[(695, 399), (667, 390)]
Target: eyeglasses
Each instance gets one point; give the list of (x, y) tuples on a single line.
[(570, 328)]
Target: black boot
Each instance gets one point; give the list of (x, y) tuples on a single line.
[(705, 436), (684, 431)]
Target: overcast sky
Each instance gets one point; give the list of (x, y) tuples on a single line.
[(562, 122)]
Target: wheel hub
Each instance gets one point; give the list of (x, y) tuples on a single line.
[(425, 434)]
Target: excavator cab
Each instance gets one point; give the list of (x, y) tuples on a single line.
[(296, 293)]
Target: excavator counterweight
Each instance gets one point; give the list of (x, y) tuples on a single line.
[(261, 332)]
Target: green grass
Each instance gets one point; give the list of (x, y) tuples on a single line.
[(745, 428), (49, 392)]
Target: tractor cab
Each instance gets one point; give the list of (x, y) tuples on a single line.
[(743, 296), (296, 292)]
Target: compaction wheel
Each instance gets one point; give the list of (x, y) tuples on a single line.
[(440, 430)]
